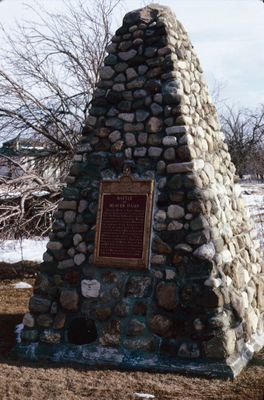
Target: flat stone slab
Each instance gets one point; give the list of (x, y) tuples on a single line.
[(100, 356)]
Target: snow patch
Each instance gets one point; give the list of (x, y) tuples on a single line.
[(144, 395), (12, 251), (22, 285)]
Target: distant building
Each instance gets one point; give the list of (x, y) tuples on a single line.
[(31, 154)]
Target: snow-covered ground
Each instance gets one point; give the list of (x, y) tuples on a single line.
[(253, 195), (12, 251)]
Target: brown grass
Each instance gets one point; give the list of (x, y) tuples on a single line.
[(21, 380)]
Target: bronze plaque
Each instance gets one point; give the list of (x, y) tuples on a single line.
[(123, 224)]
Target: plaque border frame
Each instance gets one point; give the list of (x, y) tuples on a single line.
[(125, 185)]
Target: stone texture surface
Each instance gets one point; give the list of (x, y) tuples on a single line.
[(90, 288), (203, 292)]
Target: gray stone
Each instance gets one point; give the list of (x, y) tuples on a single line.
[(162, 183), (82, 206), (142, 69), (128, 117), (50, 336), (106, 72), (114, 122), (39, 304), (120, 78), (58, 225), (180, 167), (131, 73), (135, 328), (170, 274), (161, 325), (155, 151), (118, 87), (166, 296), (140, 152), (69, 299), (64, 264), (42, 283), (127, 55), (161, 167), (199, 222), (169, 154), (156, 109), (150, 51), (28, 320), (44, 320), (130, 139), (137, 83), (189, 350), (172, 130), (200, 237), (82, 248), (169, 141), (54, 245), (77, 238), (159, 246), (175, 212), (121, 310), (135, 127), (205, 252), (117, 146), (90, 288), (184, 247), (226, 256), (154, 125), (175, 226), (79, 258), (125, 45), (158, 259), (142, 138), (175, 182), (48, 257), (111, 59), (111, 334), (141, 115), (120, 67), (160, 216), (138, 286), (145, 344), (80, 228), (154, 140), (140, 93), (69, 216)]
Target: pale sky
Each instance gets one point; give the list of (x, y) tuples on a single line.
[(228, 36)]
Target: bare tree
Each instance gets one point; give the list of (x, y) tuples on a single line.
[(244, 131), (48, 72), (27, 203), (217, 88)]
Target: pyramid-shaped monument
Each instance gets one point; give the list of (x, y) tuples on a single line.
[(153, 262)]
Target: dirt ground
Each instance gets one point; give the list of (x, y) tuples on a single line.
[(22, 380)]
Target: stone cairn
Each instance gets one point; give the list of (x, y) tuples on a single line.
[(199, 306)]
